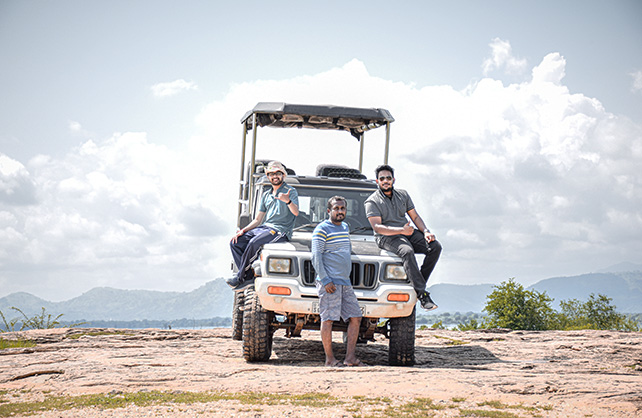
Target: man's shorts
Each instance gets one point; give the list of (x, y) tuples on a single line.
[(340, 304)]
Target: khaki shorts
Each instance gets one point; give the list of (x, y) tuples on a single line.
[(340, 304)]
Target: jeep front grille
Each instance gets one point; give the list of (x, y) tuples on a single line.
[(362, 276)]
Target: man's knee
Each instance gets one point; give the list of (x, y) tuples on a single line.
[(236, 247), (435, 247), (405, 251)]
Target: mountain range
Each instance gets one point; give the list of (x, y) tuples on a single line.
[(214, 299)]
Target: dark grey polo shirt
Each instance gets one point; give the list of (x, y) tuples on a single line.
[(392, 211)]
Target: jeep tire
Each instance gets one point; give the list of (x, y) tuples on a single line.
[(257, 335), (401, 348), (237, 316)]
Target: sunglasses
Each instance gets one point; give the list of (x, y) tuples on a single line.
[(382, 178), (277, 173)]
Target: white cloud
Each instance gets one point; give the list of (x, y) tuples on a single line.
[(77, 129), (523, 180), (16, 185), (552, 69), (637, 81), (107, 210), (172, 88), (502, 58)]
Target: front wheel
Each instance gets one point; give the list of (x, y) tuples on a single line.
[(401, 349), (257, 335)]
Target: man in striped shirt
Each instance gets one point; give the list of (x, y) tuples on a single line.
[(331, 249)]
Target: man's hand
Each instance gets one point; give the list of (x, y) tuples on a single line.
[(407, 229), (284, 197), (238, 234), (429, 236), (330, 287)]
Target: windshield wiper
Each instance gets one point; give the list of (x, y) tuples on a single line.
[(361, 228), (311, 225)]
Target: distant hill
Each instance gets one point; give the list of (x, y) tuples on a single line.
[(625, 289), (214, 299), (459, 298)]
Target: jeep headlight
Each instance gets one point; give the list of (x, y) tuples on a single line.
[(280, 265), (395, 272)]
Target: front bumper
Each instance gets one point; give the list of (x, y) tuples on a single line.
[(304, 299)]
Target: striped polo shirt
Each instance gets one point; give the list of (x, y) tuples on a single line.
[(331, 250)]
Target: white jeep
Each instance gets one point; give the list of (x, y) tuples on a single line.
[(284, 295)]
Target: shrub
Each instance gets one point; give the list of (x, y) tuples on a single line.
[(511, 306), (596, 313)]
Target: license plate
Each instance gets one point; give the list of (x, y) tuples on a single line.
[(315, 308)]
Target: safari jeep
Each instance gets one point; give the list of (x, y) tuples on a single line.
[(284, 295)]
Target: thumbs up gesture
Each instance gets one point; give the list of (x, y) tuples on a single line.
[(407, 229)]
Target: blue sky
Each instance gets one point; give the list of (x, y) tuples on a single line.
[(117, 119)]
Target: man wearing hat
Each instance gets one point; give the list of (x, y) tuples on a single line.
[(273, 223)]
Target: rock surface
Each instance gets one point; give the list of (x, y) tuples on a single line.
[(554, 373)]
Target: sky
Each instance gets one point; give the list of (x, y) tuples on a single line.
[(518, 130)]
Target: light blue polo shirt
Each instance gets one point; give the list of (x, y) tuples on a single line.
[(277, 213)]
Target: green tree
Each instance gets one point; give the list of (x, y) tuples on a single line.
[(596, 313), (511, 306)]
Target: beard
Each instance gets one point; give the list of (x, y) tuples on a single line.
[(276, 181), (386, 188), (339, 217)]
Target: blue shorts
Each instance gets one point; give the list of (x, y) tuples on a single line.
[(340, 304)]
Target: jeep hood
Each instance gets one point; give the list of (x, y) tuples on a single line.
[(304, 244)]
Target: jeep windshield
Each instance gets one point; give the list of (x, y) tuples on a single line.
[(313, 200)]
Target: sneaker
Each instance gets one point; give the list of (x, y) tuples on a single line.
[(233, 282), (241, 286), (426, 302)]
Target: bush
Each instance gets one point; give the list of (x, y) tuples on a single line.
[(511, 306), (472, 324), (596, 313)]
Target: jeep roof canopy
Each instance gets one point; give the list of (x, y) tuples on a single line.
[(283, 115)]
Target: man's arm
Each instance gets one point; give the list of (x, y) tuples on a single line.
[(258, 220), (416, 219), (381, 229)]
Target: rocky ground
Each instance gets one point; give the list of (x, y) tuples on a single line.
[(473, 373)]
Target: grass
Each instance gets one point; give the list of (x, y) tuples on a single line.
[(142, 399), (358, 406), (16, 344), (452, 341), (482, 413)]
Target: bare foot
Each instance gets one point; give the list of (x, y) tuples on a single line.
[(356, 363)]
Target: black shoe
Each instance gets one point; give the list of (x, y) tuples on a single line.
[(233, 282), (243, 285), (426, 302)]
